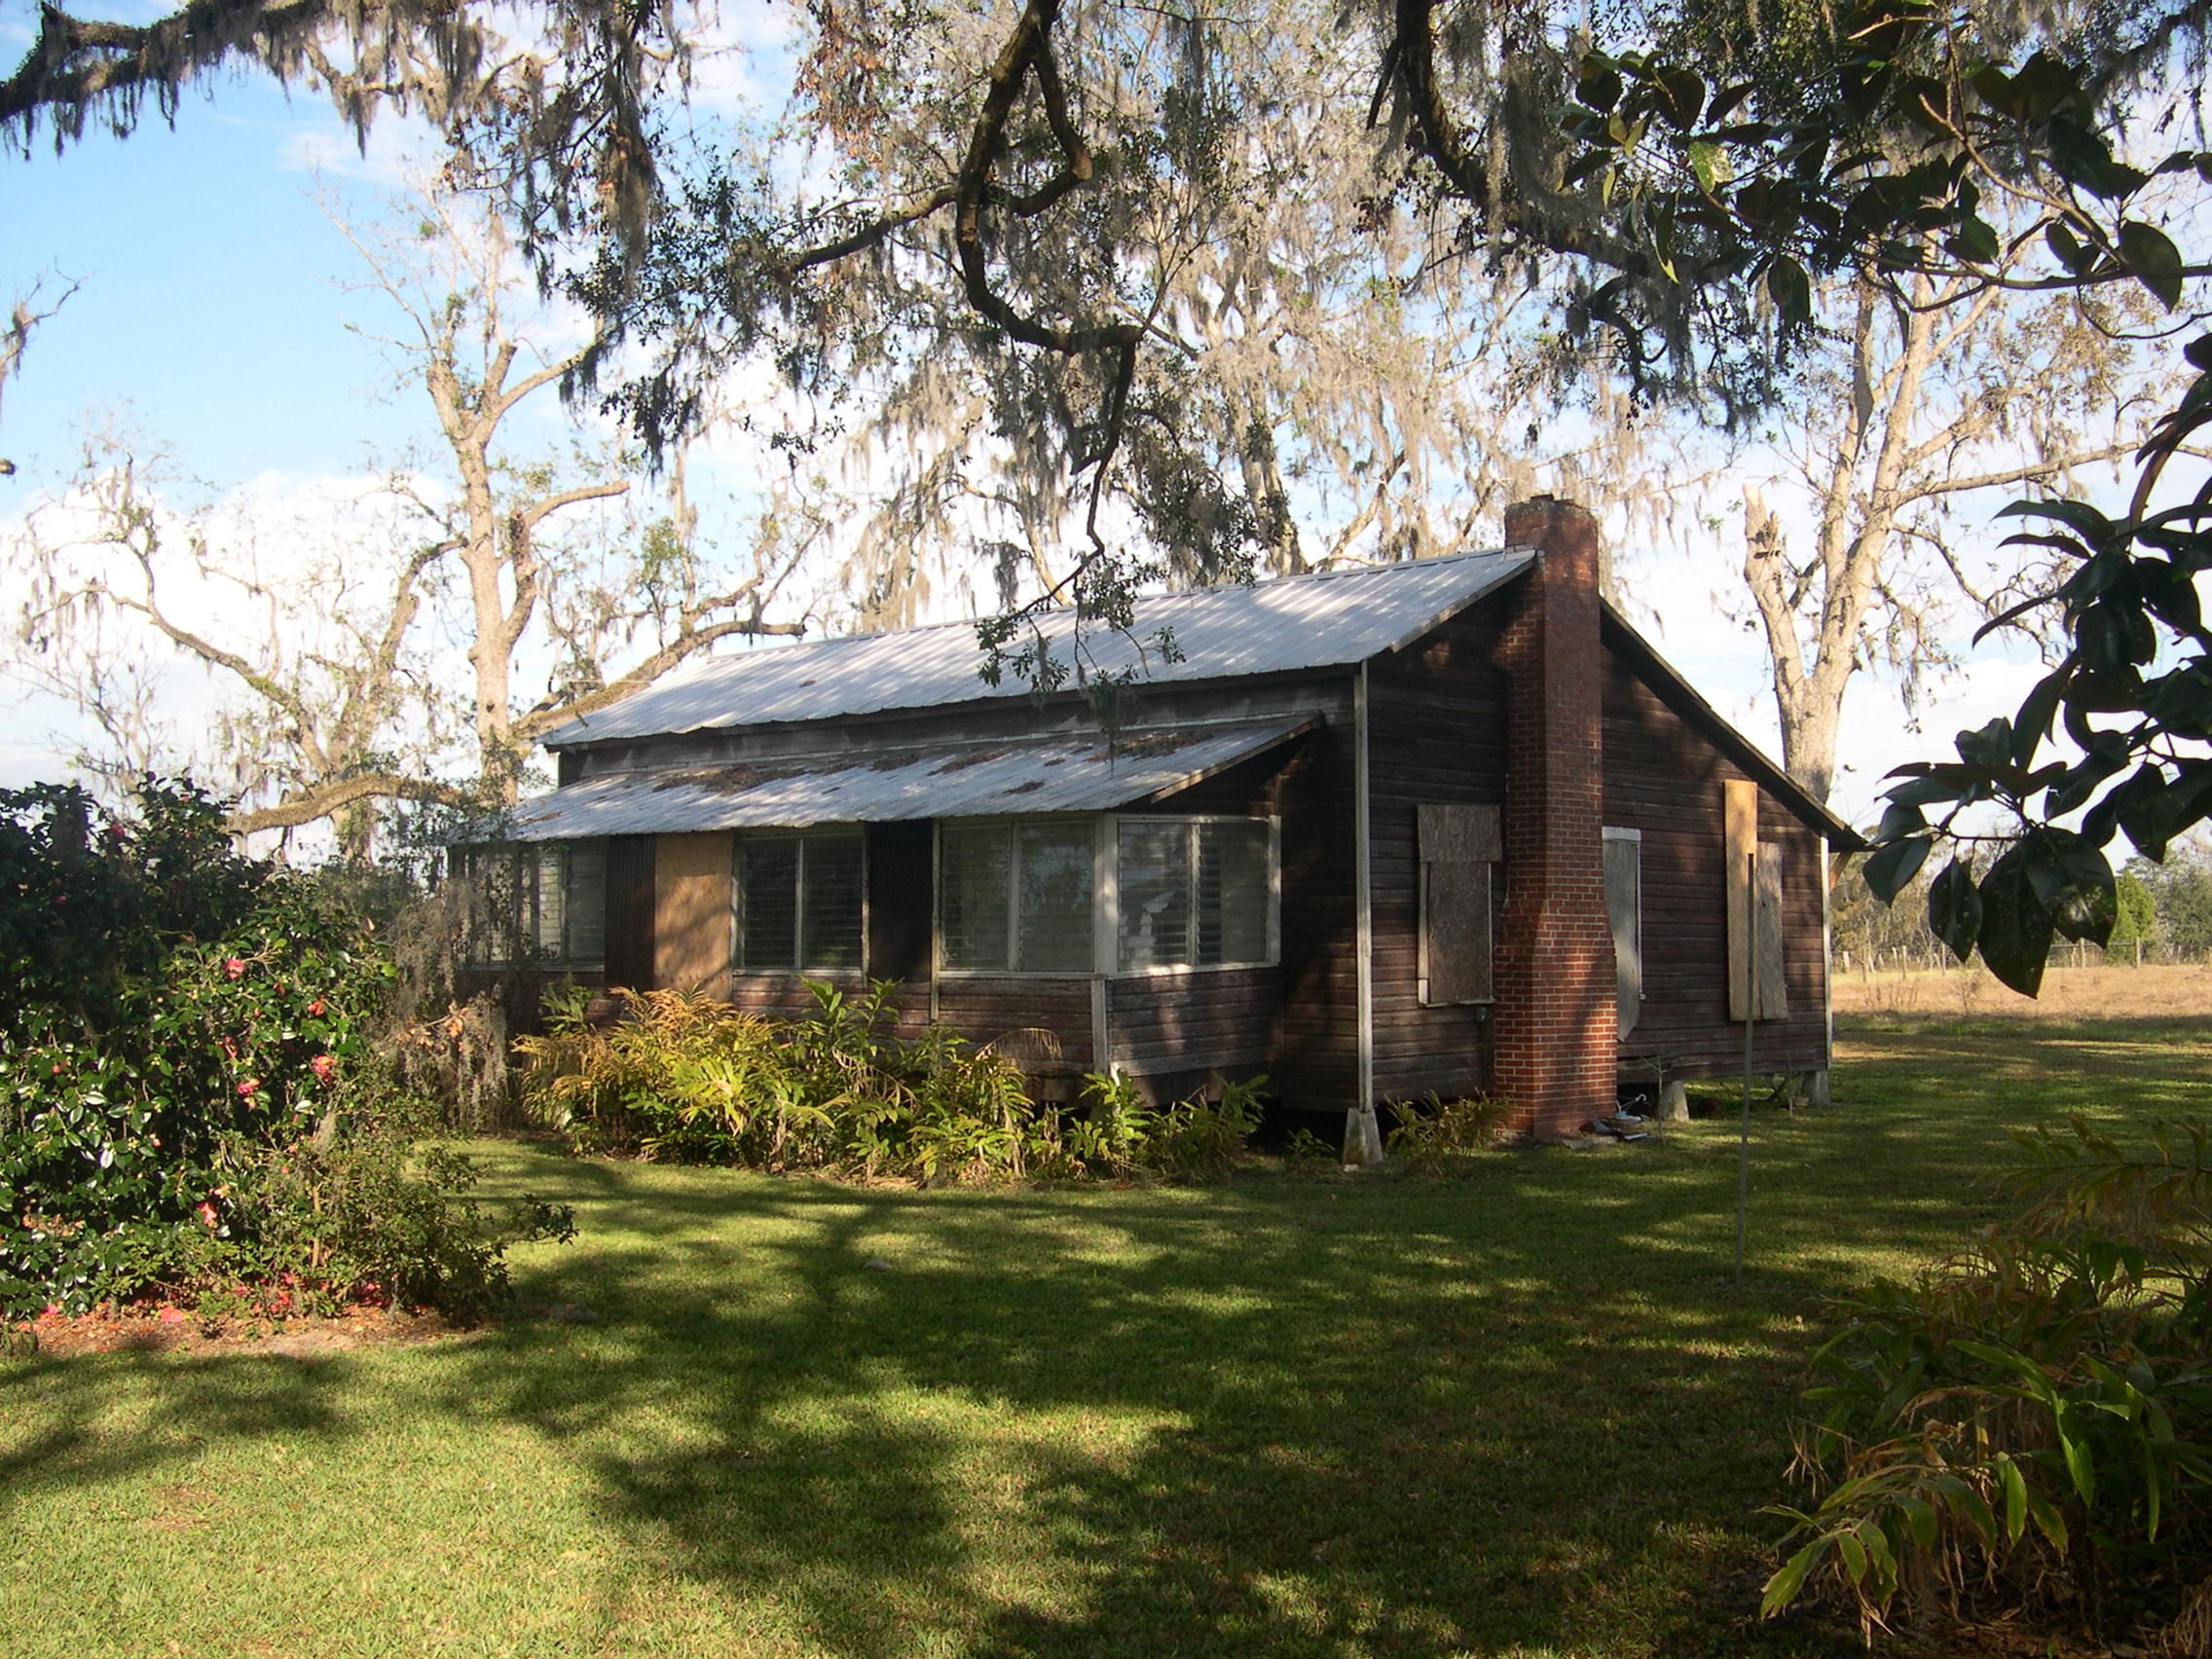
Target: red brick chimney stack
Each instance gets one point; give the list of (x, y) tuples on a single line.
[(1556, 1043)]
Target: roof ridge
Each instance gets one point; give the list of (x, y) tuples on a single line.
[(1289, 579)]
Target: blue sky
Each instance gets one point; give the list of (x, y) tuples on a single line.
[(206, 297), (211, 306)]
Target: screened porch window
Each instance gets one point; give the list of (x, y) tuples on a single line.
[(1017, 897), (545, 903), (1195, 893), (800, 901), (1035, 898)]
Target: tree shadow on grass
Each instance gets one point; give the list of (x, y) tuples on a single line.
[(1274, 1418), (191, 1404)]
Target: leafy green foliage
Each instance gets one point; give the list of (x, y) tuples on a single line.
[(1905, 124), (2034, 1419), (190, 1056), (688, 1079), (1437, 1135), (368, 1217)]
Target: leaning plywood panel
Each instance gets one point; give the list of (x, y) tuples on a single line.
[(1740, 830), (1771, 984), (691, 913)]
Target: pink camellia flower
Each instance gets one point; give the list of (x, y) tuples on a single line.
[(322, 1065), (206, 1211), (235, 967), (247, 1086)]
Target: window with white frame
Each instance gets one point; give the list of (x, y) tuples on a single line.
[(802, 901), (1033, 897), (545, 903), (1624, 907), (1018, 897)]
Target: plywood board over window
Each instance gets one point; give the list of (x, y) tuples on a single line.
[(692, 911), (1757, 987), (1459, 850)]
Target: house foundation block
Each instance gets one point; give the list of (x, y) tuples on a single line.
[(1363, 1138)]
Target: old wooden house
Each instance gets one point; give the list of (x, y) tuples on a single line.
[(1448, 826)]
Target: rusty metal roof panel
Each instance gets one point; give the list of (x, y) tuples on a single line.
[(1336, 619), (1078, 773)]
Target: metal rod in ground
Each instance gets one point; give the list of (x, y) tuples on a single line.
[(1751, 1011)]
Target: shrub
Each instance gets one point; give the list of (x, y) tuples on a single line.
[(687, 1078), (373, 1217), (2028, 1427), (1434, 1135), (187, 1021), (1203, 1138)]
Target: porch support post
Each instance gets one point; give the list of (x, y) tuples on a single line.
[(1363, 1137)]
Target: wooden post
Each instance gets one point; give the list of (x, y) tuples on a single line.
[(1363, 1137), (1744, 1135)]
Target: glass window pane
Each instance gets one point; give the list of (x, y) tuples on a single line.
[(974, 893), (587, 903), (1155, 883), (831, 913), (767, 903), (1053, 925), (550, 893), (1233, 892), (499, 909)]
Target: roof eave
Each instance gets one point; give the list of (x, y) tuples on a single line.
[(1740, 748)]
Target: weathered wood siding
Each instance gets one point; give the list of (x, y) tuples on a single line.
[(1213, 1019), (1436, 736), (630, 911), (1665, 777), (985, 1006), (1309, 784)]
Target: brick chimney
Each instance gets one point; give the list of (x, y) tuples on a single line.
[(1556, 1013)]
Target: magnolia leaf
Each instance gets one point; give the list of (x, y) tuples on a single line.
[(1954, 909), (1600, 84), (1682, 92), (1888, 870), (2153, 260), (1710, 163), (2068, 248), (1791, 292), (2015, 929)]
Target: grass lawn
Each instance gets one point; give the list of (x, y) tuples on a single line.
[(1520, 1412)]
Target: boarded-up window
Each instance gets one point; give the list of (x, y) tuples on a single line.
[(1624, 908), (1757, 988), (1459, 850)]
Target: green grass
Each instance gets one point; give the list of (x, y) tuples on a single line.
[(1520, 1412)]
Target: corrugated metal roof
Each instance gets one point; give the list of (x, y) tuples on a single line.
[(1083, 773), (1337, 618)]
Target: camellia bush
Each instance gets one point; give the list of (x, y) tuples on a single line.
[(192, 1104)]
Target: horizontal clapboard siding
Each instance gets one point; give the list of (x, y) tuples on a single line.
[(1220, 1018), (1436, 738), (1664, 778)]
